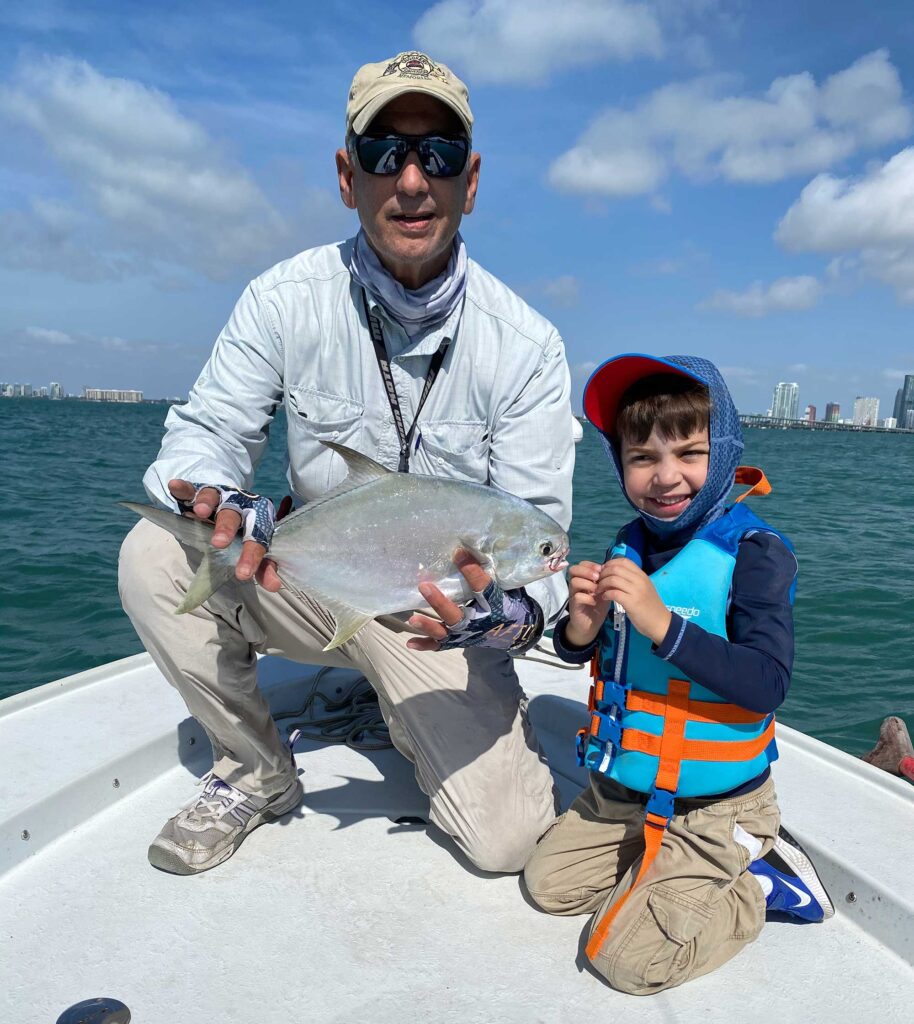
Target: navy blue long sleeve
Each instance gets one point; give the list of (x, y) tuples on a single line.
[(752, 666)]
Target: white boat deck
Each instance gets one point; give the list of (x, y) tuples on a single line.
[(338, 913)]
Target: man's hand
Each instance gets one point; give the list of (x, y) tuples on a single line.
[(623, 582), (203, 502), (506, 620), (587, 610)]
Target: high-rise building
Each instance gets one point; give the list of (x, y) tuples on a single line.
[(909, 420), (832, 412), (809, 414), (904, 398), (112, 395), (890, 423), (56, 390), (785, 401), (866, 411)]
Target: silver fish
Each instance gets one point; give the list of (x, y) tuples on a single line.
[(362, 548)]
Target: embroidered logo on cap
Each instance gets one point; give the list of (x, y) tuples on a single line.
[(414, 65)]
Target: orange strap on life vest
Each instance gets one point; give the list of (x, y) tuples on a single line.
[(671, 755), (755, 478), (699, 750), (704, 711)]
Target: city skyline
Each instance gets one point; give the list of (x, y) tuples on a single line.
[(790, 410)]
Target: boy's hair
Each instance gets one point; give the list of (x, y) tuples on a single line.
[(676, 406)]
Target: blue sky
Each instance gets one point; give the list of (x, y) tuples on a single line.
[(729, 179)]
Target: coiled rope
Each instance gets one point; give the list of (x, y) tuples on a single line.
[(351, 716)]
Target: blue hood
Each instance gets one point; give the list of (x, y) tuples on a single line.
[(726, 439)]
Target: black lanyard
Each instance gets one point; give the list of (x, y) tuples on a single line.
[(380, 351)]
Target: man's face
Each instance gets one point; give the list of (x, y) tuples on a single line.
[(662, 476), (410, 218)]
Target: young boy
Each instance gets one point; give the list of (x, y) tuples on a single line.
[(674, 846)]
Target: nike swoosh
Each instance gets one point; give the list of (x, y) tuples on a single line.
[(805, 898)]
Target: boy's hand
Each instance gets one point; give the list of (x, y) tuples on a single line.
[(587, 610), (623, 582)]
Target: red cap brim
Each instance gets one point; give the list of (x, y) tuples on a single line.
[(609, 382)]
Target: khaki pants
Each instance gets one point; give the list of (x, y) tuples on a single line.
[(695, 908), (459, 716)]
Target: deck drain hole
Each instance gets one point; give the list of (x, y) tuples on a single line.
[(102, 1010)]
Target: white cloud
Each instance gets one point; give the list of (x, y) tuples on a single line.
[(743, 374), (155, 187), (529, 40), (49, 336), (866, 222), (704, 130), (563, 291), (787, 294)]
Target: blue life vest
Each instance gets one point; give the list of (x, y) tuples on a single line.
[(645, 713)]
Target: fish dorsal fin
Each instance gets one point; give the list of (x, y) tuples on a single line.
[(348, 620), (361, 471)]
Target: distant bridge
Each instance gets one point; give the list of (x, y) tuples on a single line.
[(772, 423)]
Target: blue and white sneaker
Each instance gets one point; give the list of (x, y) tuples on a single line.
[(789, 881)]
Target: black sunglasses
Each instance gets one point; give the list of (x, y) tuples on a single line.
[(440, 156)]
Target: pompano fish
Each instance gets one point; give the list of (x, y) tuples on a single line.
[(362, 548)]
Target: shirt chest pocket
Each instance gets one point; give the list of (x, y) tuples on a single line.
[(315, 417), (454, 448)]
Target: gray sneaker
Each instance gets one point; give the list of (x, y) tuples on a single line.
[(212, 827)]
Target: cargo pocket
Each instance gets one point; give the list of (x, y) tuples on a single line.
[(315, 417), (458, 449), (657, 951)]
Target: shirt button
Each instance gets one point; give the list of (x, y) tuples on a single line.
[(440, 461), (335, 433)]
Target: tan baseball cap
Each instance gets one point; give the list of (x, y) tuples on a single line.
[(375, 85)]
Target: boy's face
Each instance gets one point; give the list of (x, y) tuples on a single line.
[(663, 476)]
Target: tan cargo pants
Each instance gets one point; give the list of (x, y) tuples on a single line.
[(459, 716), (695, 908)]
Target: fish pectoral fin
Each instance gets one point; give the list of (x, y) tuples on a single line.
[(348, 620), (475, 549), (217, 568)]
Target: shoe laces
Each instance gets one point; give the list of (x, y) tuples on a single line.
[(216, 800)]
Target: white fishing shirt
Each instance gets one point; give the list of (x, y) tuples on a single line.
[(498, 413)]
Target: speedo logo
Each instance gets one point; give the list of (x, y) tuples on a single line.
[(685, 613)]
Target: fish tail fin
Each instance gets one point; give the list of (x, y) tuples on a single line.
[(195, 533), (218, 564), (217, 568)]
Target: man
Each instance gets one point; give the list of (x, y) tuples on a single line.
[(396, 344)]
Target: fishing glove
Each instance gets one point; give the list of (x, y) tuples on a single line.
[(509, 620), (258, 517)]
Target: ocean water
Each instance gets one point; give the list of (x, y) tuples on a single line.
[(842, 498)]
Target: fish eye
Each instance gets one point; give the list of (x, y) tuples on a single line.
[(546, 548)]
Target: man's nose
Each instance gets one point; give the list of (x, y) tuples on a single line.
[(412, 180)]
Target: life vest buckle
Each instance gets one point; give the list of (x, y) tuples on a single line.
[(661, 804)]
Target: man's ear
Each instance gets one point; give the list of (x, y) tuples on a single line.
[(472, 182), (345, 175)]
